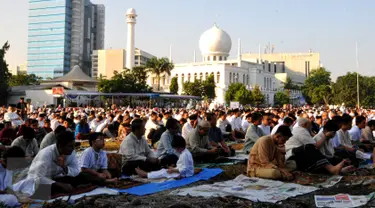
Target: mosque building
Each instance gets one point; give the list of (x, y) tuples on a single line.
[(215, 45)]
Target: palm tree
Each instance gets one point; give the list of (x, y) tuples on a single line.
[(159, 66)]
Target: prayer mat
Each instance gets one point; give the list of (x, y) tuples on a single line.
[(125, 184), (78, 190), (152, 188), (114, 164)]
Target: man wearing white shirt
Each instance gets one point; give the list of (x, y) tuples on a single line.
[(152, 123), (287, 122), (246, 121), (236, 124), (190, 125), (265, 126), (56, 122), (95, 123), (356, 131)]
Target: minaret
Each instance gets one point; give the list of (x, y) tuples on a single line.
[(131, 19)]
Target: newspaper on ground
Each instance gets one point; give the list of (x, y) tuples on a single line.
[(342, 200), (254, 189), (331, 181)]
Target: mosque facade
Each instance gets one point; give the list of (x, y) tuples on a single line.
[(215, 45)]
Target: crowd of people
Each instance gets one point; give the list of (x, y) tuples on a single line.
[(165, 143)]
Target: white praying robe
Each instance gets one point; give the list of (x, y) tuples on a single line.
[(185, 166)]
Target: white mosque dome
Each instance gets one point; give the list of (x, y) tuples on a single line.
[(131, 11), (215, 41)]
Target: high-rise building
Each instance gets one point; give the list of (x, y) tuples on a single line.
[(58, 36), (106, 62)]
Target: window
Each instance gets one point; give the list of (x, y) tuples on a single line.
[(275, 68), (188, 78), (220, 58), (182, 78), (269, 67), (217, 77), (206, 75), (307, 68), (243, 78), (214, 58), (237, 77), (225, 58), (230, 77), (195, 76), (265, 82), (247, 79), (208, 58), (201, 76)]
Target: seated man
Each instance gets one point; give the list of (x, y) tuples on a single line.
[(266, 160), (302, 149), (7, 164), (236, 123), (356, 134), (27, 142), (286, 122), (8, 134), (367, 133), (215, 136), (190, 125), (253, 132), (199, 144), (165, 152), (94, 161), (343, 144), (55, 169), (324, 142), (136, 152), (50, 138), (40, 133), (223, 124), (185, 163)]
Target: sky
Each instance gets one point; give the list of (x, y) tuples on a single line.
[(330, 27)]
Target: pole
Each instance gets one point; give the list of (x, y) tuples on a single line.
[(356, 55)]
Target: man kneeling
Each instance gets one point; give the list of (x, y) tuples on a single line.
[(266, 160), (185, 163)]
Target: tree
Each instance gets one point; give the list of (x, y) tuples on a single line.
[(24, 79), (288, 85), (345, 90), (158, 67), (193, 88), (209, 86), (4, 74), (173, 88), (281, 98), (238, 92), (126, 81), (317, 87), (258, 97)]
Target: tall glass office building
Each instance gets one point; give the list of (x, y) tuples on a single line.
[(56, 34), (49, 37)]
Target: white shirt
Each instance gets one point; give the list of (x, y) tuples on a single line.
[(236, 123), (301, 136), (100, 127), (150, 125), (41, 123), (5, 178), (221, 125), (355, 133), (185, 164), (186, 129), (326, 148), (245, 124), (266, 129), (93, 160), (274, 130), (13, 118), (44, 167), (94, 124), (55, 123)]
